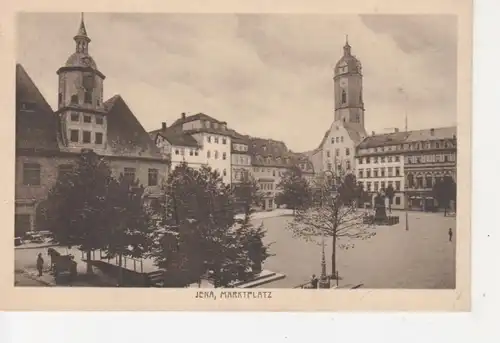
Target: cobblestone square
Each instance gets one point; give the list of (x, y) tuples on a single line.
[(420, 258)]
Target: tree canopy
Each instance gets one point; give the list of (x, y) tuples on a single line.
[(202, 231), (295, 190)]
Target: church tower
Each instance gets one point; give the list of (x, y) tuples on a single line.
[(348, 85), (80, 102)]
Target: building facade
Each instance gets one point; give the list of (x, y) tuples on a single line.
[(48, 142), (380, 164), (412, 162), (197, 140), (241, 160), (429, 156)]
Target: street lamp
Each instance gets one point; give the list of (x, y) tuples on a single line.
[(324, 281)]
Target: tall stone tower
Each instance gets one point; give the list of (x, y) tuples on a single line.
[(80, 101), (348, 85)]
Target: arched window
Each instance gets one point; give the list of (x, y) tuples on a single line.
[(216, 155), (208, 154), (224, 172), (344, 97)]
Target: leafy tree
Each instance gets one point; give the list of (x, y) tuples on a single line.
[(389, 194), (77, 210), (130, 224), (200, 227), (445, 191), (295, 190), (335, 215)]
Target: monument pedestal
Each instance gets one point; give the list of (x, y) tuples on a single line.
[(324, 283)]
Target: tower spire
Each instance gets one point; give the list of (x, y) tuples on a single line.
[(81, 38), (347, 47)]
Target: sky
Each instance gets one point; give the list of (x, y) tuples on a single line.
[(266, 75)]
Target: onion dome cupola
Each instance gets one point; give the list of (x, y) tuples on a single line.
[(348, 63), (80, 103)]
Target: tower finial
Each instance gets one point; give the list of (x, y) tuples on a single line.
[(346, 39), (81, 38)]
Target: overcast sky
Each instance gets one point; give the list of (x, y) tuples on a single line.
[(266, 75)]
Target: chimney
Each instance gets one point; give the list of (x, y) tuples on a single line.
[(183, 115), (163, 126), (432, 132), (373, 133), (396, 130)]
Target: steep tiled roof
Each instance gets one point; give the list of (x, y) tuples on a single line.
[(175, 137), (36, 125), (432, 134), (274, 153), (199, 116), (354, 133), (410, 136), (383, 139), (126, 136)]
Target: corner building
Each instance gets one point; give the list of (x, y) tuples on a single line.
[(48, 142)]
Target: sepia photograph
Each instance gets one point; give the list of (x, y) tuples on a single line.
[(236, 151)]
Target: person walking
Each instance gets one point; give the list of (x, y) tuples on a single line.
[(314, 282), (39, 264), (450, 234)]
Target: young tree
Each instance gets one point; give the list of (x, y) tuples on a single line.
[(130, 223), (200, 208), (389, 194), (295, 190), (77, 210), (335, 215)]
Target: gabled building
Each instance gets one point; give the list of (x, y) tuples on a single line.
[(48, 142), (178, 147), (212, 137)]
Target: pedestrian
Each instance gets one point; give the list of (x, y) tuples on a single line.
[(450, 233), (314, 281), (39, 264)]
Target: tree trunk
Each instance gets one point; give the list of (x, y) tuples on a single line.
[(89, 265), (334, 254), (120, 270)]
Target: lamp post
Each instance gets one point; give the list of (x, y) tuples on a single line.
[(324, 281), (406, 211)]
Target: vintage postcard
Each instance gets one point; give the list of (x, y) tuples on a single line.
[(303, 159)]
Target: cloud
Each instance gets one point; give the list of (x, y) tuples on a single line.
[(266, 75)]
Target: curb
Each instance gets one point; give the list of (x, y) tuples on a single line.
[(36, 247)]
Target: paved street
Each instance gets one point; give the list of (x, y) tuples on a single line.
[(395, 258), (23, 280)]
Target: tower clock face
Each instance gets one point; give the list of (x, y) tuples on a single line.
[(86, 61)]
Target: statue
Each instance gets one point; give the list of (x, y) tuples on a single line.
[(380, 214)]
